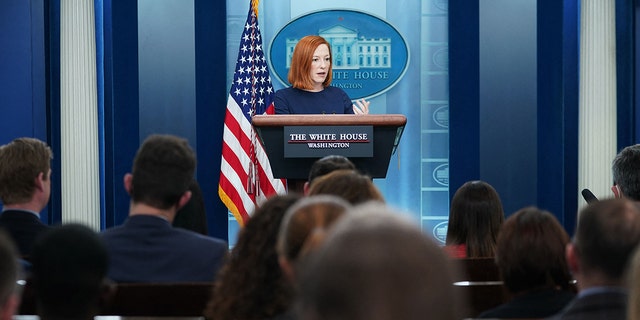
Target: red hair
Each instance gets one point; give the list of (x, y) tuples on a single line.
[(299, 73)]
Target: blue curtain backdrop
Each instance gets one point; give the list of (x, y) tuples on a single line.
[(160, 67)]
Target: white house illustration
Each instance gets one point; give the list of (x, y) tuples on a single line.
[(350, 51)]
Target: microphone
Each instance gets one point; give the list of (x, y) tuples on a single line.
[(588, 196)]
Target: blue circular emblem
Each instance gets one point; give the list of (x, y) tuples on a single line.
[(441, 116), (441, 174), (441, 4), (369, 55), (440, 231), (441, 58)]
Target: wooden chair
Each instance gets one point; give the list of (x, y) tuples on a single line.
[(146, 299), (479, 282), (160, 299), (477, 269)]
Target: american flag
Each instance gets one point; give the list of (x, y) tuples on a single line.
[(245, 172)]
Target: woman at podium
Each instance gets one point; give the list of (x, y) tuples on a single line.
[(310, 77)]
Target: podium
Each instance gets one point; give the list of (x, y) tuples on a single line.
[(294, 142)]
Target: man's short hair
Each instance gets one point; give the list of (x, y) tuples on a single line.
[(69, 268), (162, 171), (9, 268), (21, 161), (329, 164), (626, 171), (606, 235)]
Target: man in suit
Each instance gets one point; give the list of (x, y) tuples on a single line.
[(25, 186), (146, 248), (605, 237), (626, 173)]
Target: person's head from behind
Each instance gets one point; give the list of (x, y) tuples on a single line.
[(375, 265), (303, 60), (530, 252), (69, 273), (9, 274), (304, 226), (193, 216), (350, 185), (251, 284), (327, 165), (25, 170), (475, 217), (606, 234), (162, 171), (626, 173)]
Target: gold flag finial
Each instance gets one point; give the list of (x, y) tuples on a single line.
[(254, 5)]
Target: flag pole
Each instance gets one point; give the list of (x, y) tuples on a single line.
[(254, 6), (253, 178)]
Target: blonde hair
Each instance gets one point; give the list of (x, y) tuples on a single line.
[(21, 161), (304, 225)]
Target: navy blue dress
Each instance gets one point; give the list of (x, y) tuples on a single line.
[(331, 100)]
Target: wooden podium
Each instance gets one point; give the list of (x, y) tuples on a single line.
[(294, 142)]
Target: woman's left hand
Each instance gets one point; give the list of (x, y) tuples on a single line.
[(361, 107)]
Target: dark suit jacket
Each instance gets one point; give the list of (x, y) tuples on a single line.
[(535, 304), (23, 227), (148, 249), (609, 305)]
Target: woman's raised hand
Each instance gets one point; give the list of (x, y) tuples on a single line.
[(361, 107)]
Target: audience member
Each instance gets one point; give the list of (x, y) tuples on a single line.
[(251, 284), (69, 273), (376, 265), (146, 248), (193, 216), (606, 235), (25, 186), (9, 275), (326, 165), (626, 173), (304, 227), (530, 257), (475, 217), (350, 185)]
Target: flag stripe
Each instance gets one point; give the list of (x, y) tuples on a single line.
[(238, 181), (233, 143), (238, 126), (278, 185), (238, 208)]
